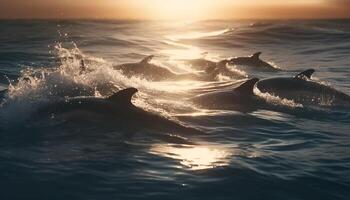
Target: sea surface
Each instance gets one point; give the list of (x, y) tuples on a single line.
[(295, 153)]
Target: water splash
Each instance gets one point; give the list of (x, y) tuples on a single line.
[(275, 100)]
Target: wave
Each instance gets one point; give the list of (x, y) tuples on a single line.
[(292, 32), (37, 87), (309, 143), (198, 35)]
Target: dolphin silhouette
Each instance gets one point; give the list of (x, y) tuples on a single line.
[(150, 71), (201, 64), (116, 109), (157, 73), (213, 69), (239, 98), (253, 61), (301, 89)]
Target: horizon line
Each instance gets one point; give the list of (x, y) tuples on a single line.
[(137, 19)]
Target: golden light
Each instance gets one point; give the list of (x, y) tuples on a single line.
[(185, 51), (182, 51), (195, 157), (188, 10), (178, 9)]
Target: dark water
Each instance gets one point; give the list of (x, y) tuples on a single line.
[(296, 152)]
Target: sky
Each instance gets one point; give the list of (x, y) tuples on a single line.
[(175, 9)]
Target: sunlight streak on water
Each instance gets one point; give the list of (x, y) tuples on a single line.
[(195, 157), (205, 112), (185, 51), (196, 35), (182, 51)]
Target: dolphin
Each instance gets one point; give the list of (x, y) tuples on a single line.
[(221, 69), (203, 64), (213, 69), (239, 98), (150, 71), (253, 61), (116, 109), (156, 73), (303, 90)]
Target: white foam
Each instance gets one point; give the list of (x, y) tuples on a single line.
[(39, 86), (275, 100)]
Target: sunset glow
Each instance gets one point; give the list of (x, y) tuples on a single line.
[(175, 9), (178, 9)]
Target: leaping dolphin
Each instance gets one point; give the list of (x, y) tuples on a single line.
[(301, 89), (117, 109), (253, 61)]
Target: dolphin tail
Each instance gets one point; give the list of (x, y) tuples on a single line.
[(307, 73), (256, 55), (147, 59), (123, 96), (247, 87)]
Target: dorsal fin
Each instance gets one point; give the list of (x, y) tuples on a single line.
[(247, 87), (307, 73), (256, 55), (123, 96), (147, 59)]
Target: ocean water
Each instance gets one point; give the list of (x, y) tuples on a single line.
[(296, 152)]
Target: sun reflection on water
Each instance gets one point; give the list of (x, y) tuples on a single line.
[(193, 156), (182, 51)]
